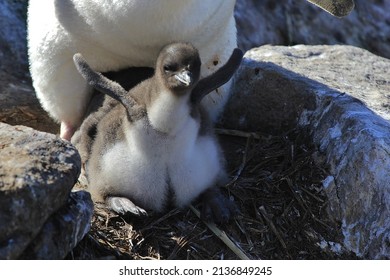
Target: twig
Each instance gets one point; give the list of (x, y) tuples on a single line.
[(238, 133), (180, 243), (243, 163), (312, 195), (272, 226), (304, 205), (166, 216), (222, 235), (322, 223), (298, 198)]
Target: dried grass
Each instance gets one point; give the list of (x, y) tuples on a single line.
[(278, 189)]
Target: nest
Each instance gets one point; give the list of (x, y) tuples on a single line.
[(278, 189)]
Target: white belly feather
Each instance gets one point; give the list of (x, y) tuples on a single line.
[(151, 162)]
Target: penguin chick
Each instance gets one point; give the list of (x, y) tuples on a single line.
[(158, 139)]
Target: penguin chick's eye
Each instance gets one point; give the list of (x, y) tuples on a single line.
[(170, 67)]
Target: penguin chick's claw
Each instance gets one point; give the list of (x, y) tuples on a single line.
[(123, 205), (217, 207)]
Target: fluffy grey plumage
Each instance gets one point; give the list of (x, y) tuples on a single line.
[(156, 139)]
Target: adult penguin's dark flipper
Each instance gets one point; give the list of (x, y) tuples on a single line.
[(218, 78)]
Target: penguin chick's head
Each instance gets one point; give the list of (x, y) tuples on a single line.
[(178, 67)]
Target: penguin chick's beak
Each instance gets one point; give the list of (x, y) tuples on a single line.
[(184, 77)]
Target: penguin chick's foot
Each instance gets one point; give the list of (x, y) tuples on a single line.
[(66, 131), (217, 207), (123, 205)]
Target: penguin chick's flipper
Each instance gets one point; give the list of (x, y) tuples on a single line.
[(218, 78), (103, 84), (338, 8), (217, 207), (123, 205)]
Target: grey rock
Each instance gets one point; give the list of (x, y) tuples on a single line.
[(37, 173), (341, 95), (63, 230), (13, 46), (20, 106), (291, 22), (18, 103)]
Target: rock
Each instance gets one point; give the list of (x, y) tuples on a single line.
[(292, 22), (18, 103), (37, 173), (13, 46), (341, 95), (63, 230)]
